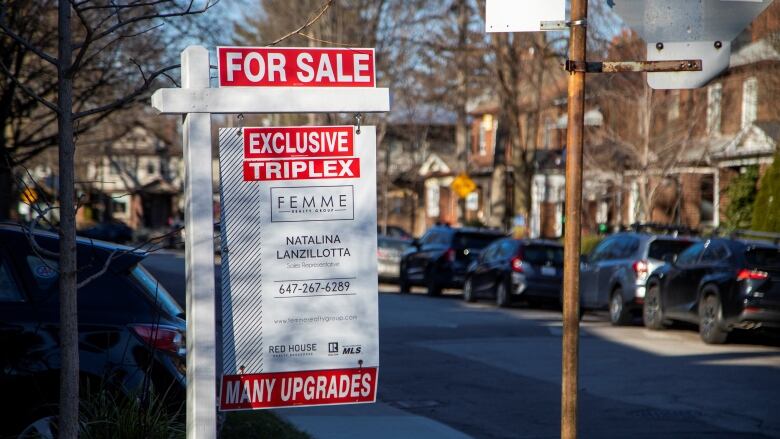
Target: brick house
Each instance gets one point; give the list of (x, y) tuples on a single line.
[(738, 127)]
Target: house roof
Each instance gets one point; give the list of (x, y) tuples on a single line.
[(759, 138), (438, 164), (761, 50)]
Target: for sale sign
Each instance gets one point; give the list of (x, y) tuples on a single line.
[(295, 67), (299, 280)]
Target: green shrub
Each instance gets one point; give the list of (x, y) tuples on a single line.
[(106, 415), (766, 209), (742, 195)]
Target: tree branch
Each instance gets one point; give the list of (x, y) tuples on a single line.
[(27, 45), (28, 91), (126, 99), (307, 24)]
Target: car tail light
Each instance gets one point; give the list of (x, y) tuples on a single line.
[(640, 268), (746, 274), (517, 264), (449, 255), (161, 338)]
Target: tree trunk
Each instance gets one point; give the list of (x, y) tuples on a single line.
[(6, 182), (69, 372)]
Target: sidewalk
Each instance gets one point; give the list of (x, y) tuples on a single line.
[(360, 421)]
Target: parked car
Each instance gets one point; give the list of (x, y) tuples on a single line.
[(394, 232), (614, 275), (112, 231), (131, 331), (388, 253), (720, 284), (510, 269), (440, 258)]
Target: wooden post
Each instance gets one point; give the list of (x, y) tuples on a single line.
[(571, 269)]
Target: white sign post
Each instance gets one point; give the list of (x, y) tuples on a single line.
[(196, 101)]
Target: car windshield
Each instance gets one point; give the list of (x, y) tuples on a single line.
[(661, 247), (543, 255), (156, 292), (768, 258), (473, 241)]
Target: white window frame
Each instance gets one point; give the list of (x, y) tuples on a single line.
[(749, 101), (714, 100)]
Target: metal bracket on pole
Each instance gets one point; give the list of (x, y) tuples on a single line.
[(685, 65), (560, 24)]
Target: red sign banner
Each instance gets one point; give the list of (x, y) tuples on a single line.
[(306, 169), (300, 388), (295, 67), (288, 142)]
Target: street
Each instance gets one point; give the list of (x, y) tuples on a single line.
[(448, 366)]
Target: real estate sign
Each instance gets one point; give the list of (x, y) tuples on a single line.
[(299, 275)]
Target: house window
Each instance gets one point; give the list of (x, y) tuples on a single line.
[(119, 207), (549, 126), (714, 97), (481, 143), (150, 168), (707, 200), (674, 105), (484, 127), (432, 200), (749, 101)]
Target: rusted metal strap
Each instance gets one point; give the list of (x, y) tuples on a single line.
[(685, 65)]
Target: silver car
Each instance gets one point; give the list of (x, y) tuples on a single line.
[(389, 252), (614, 274)]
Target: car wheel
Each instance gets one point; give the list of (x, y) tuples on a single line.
[(404, 286), (468, 293), (502, 295), (618, 314), (652, 310), (711, 320), (434, 289)]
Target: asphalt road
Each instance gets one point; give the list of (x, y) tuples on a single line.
[(495, 373)]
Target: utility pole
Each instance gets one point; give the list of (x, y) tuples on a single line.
[(571, 243)]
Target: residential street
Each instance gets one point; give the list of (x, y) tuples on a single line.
[(449, 367)]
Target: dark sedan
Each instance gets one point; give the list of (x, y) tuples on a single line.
[(511, 269), (720, 284), (131, 332)]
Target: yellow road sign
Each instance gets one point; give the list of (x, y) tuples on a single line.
[(463, 185), (29, 196)]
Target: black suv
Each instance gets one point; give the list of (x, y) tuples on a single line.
[(131, 332), (719, 284), (440, 258)]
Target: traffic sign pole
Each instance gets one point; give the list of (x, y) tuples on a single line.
[(199, 255), (571, 243)]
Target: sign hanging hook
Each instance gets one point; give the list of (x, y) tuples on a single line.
[(358, 116), (240, 117)]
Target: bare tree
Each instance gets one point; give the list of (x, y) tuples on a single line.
[(89, 33)]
